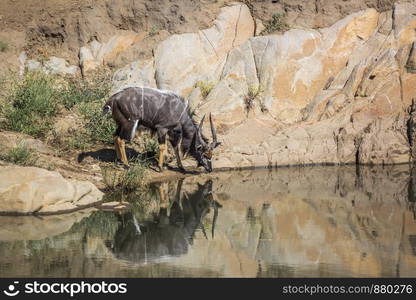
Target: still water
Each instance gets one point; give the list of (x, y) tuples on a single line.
[(289, 222)]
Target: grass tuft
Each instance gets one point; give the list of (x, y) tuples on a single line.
[(130, 180), (81, 90), (3, 46), (99, 127), (205, 87), (253, 93), (33, 104), (154, 30), (276, 23), (20, 155)]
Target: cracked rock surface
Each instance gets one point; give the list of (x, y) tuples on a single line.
[(340, 94)]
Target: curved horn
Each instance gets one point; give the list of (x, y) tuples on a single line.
[(213, 132), (201, 123)]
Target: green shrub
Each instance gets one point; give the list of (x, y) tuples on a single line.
[(20, 155), (80, 90), (3, 46), (276, 23), (100, 223), (32, 104), (129, 180), (99, 127), (253, 93), (88, 97), (154, 30), (151, 146), (78, 140), (3, 95), (205, 87)]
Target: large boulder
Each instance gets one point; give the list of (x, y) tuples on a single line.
[(28, 190), (340, 94), (183, 59), (138, 73), (95, 54), (54, 65)]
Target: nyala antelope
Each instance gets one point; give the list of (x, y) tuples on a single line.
[(165, 113)]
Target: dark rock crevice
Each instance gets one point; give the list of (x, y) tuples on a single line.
[(410, 126)]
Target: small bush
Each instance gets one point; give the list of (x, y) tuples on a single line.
[(154, 30), (254, 91), (3, 95), (3, 46), (88, 97), (99, 127), (277, 23), (20, 155), (129, 180), (151, 146), (205, 87), (81, 90), (33, 104), (79, 140)]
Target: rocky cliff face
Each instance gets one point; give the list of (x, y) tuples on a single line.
[(341, 94), (335, 88)]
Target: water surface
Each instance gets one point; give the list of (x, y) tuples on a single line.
[(289, 222)]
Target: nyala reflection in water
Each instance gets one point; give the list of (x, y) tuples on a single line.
[(172, 230)]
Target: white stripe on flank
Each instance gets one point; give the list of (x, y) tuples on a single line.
[(150, 88), (133, 131), (180, 117)]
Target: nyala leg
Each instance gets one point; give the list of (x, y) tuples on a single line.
[(117, 147), (161, 133), (121, 150), (175, 139), (162, 149), (178, 159)]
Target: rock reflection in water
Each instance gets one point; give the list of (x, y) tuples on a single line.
[(318, 221)]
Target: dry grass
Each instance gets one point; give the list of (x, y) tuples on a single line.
[(205, 87)]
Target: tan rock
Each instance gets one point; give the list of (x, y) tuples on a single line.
[(411, 61), (87, 60), (57, 65), (96, 54), (138, 73), (54, 65), (333, 95), (182, 60), (259, 26), (404, 23), (116, 45), (26, 190)]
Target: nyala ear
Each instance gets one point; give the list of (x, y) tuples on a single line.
[(106, 109)]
